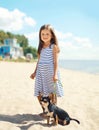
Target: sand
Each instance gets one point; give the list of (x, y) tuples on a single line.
[(19, 109)]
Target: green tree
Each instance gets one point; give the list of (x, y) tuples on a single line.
[(10, 35), (31, 50), (3, 36), (22, 40)]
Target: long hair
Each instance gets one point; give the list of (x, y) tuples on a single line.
[(53, 39)]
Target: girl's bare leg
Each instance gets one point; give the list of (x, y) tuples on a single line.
[(53, 98), (39, 98)]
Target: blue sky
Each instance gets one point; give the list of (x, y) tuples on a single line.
[(76, 23)]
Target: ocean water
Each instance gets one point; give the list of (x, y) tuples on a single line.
[(89, 66)]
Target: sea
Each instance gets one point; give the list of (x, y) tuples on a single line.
[(89, 66)]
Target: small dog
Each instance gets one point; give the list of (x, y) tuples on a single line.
[(59, 115)]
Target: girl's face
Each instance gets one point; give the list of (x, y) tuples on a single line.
[(46, 36)]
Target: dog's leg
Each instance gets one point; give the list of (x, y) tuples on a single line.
[(64, 122), (55, 122), (48, 120)]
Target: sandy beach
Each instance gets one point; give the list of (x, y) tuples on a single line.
[(19, 109)]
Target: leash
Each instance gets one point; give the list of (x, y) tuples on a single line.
[(54, 95), (55, 85)]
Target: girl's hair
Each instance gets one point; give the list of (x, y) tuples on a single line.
[(53, 39)]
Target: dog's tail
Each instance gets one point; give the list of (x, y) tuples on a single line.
[(75, 120)]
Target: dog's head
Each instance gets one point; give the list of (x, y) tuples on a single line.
[(46, 105), (45, 101)]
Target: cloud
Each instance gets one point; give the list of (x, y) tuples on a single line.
[(29, 21), (74, 47), (84, 42), (62, 35), (32, 36), (14, 20), (69, 40)]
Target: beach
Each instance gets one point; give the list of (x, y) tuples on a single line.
[(19, 109)]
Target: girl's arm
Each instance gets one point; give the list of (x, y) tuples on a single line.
[(55, 54), (32, 76)]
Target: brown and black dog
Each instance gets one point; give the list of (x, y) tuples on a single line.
[(59, 115)]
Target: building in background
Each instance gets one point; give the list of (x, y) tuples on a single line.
[(11, 49)]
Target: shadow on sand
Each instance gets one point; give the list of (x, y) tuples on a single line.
[(23, 121)]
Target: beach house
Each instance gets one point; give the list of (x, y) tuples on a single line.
[(11, 49)]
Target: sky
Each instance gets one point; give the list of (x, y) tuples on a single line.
[(76, 24)]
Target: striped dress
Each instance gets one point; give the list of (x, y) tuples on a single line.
[(44, 75)]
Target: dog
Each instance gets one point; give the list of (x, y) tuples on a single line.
[(59, 115)]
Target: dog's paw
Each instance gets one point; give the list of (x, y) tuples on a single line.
[(43, 115)]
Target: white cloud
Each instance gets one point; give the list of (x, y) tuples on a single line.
[(33, 39), (14, 20), (62, 35), (32, 36), (84, 42), (74, 47), (30, 21)]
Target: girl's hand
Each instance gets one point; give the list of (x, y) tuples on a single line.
[(32, 76), (55, 78)]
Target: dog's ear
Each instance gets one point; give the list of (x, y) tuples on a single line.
[(40, 94)]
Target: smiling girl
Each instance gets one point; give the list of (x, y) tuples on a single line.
[(46, 72)]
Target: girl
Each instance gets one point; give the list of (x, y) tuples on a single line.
[(46, 72)]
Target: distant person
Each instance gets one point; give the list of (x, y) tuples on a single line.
[(46, 72)]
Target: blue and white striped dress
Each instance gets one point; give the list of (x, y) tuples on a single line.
[(44, 75)]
